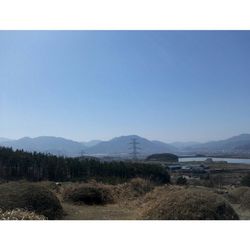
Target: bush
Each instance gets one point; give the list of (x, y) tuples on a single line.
[(31, 197), (89, 193), (20, 214), (186, 204), (135, 188), (181, 181), (246, 180), (140, 186)]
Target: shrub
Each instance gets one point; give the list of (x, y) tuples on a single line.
[(89, 193), (246, 180), (31, 197), (181, 181), (135, 188), (20, 214), (186, 204), (140, 186)]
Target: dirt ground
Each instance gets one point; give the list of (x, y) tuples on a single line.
[(107, 212), (243, 214)]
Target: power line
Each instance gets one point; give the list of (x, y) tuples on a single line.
[(135, 149)]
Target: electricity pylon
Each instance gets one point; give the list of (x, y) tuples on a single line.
[(135, 149)]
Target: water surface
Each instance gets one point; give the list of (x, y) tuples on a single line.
[(229, 160)]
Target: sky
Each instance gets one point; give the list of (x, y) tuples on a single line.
[(164, 85)]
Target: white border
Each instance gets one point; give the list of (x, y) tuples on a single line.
[(195, 235), (112, 15), (126, 14)]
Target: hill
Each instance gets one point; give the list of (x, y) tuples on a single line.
[(3, 139), (163, 157), (47, 144), (121, 145), (232, 144)]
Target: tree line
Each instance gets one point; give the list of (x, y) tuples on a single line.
[(18, 165)]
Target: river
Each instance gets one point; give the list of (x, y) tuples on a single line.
[(229, 160)]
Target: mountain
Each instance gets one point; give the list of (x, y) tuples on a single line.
[(182, 145), (232, 144), (47, 144), (3, 139), (243, 148), (122, 145), (91, 143)]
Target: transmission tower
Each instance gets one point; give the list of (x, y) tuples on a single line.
[(135, 149)]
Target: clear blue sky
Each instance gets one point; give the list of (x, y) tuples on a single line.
[(166, 85)]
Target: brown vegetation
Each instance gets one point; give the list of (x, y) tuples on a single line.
[(136, 188), (177, 203), (240, 196), (20, 214), (94, 193), (31, 197)]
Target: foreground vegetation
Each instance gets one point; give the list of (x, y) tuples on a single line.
[(20, 214), (176, 203), (30, 197), (39, 187), (136, 199)]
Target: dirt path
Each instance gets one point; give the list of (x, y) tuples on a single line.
[(107, 212), (243, 214)]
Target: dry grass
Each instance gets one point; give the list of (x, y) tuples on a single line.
[(178, 203), (20, 214), (98, 193), (31, 197), (240, 196), (133, 190)]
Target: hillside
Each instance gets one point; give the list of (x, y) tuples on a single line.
[(121, 145), (229, 145), (3, 139), (47, 144)]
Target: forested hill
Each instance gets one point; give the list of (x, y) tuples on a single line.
[(17, 165)]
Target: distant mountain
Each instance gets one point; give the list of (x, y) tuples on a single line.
[(232, 144), (3, 139), (47, 144), (243, 148), (91, 143), (182, 145), (121, 145)]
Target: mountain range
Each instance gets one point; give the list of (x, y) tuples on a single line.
[(47, 144), (122, 146), (232, 145)]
